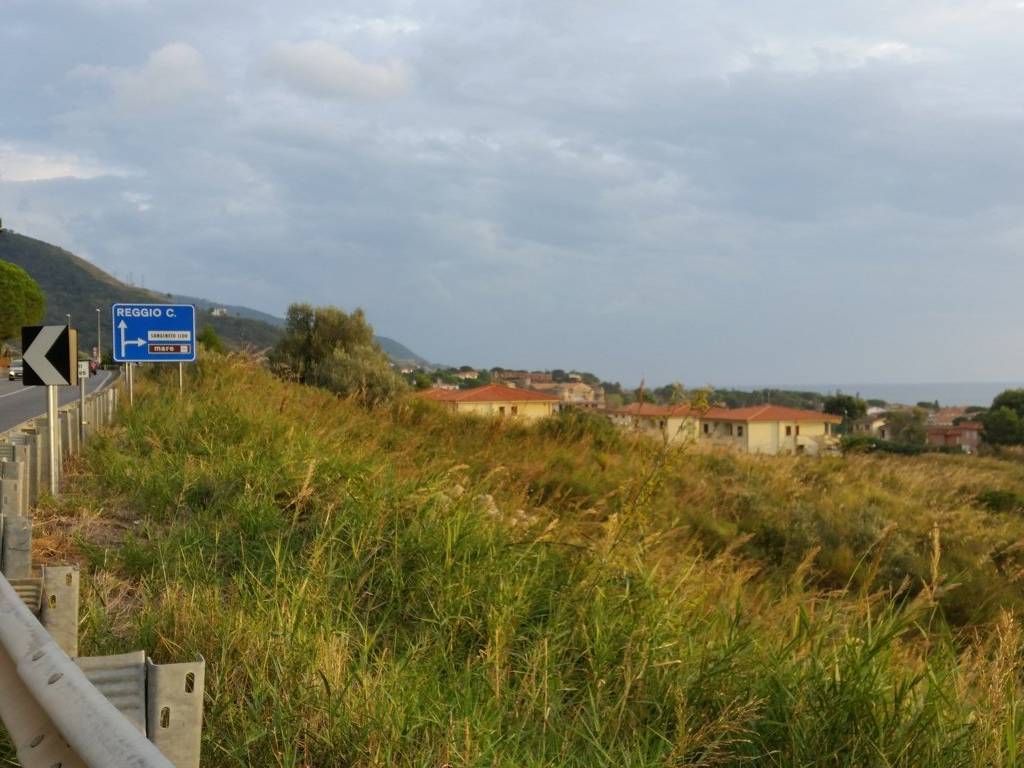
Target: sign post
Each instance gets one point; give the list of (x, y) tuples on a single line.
[(50, 358), (83, 374), (153, 333)]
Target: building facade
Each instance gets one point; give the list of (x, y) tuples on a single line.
[(767, 429), (495, 400)]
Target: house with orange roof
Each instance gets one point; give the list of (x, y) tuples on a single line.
[(966, 435), (497, 400), (670, 423), (770, 429)]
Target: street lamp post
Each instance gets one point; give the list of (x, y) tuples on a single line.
[(99, 345)]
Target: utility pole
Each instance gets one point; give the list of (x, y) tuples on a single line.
[(99, 344)]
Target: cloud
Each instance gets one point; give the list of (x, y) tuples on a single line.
[(21, 165), (322, 69), (172, 76), (829, 55), (681, 188)]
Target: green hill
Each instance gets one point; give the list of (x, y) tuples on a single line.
[(74, 286)]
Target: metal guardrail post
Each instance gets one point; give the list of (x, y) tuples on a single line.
[(174, 709), (30, 441), (17, 547), (13, 488), (59, 609)]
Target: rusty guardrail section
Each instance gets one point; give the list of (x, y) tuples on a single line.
[(61, 710)]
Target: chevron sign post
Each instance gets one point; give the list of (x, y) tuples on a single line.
[(50, 356)]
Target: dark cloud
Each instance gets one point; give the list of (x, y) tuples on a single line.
[(709, 193)]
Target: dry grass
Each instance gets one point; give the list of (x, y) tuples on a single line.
[(401, 587)]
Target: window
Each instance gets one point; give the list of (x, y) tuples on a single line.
[(798, 429), (515, 410), (663, 423), (789, 431), (739, 431), (707, 428), (730, 430), (501, 410)]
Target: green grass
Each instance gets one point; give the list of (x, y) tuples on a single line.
[(406, 588)]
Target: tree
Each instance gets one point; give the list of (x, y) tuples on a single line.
[(1012, 399), (21, 300), (847, 406), (1003, 426), (326, 347), (907, 427), (208, 338)]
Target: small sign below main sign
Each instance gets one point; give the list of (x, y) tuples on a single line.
[(154, 333), (50, 355)]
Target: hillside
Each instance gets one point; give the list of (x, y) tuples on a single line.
[(405, 587), (73, 285), (397, 351)]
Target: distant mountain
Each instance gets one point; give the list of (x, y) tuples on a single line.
[(399, 352), (73, 285), (245, 312)]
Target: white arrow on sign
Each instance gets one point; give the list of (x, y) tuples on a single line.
[(35, 356), (124, 344)]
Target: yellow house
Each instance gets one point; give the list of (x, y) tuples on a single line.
[(760, 429), (673, 424), (495, 400), (768, 429)]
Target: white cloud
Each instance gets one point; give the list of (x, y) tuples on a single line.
[(17, 164), (381, 27), (141, 201), (834, 54), (322, 69), (172, 75)]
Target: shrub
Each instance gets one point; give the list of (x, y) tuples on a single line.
[(999, 500)]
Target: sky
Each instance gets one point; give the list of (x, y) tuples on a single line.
[(714, 191)]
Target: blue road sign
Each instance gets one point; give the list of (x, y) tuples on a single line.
[(154, 333)]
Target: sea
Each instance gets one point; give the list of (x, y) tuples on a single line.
[(947, 393)]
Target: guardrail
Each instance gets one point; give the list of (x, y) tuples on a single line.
[(62, 710)]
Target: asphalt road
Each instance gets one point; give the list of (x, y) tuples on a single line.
[(19, 403)]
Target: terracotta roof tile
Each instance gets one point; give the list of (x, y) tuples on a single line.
[(490, 393), (769, 413)]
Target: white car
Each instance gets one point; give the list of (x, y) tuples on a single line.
[(16, 371)]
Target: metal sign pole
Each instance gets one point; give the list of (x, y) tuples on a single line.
[(54, 434), (81, 408), (131, 388), (181, 377)]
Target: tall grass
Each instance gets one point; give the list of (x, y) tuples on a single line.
[(402, 587)]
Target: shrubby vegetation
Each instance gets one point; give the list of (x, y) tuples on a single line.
[(1004, 421), (325, 347), (401, 586)]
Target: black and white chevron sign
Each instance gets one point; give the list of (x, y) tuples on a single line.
[(50, 355)]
